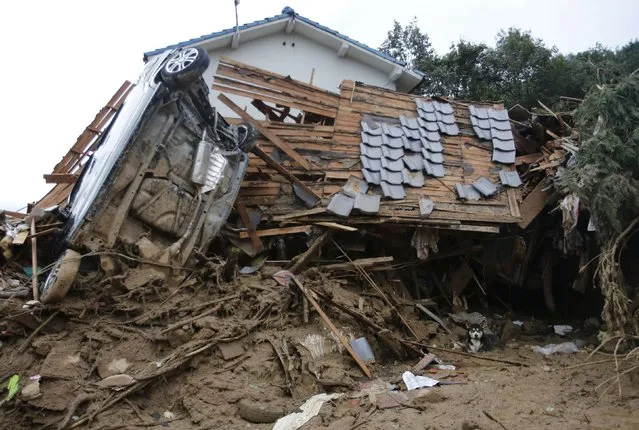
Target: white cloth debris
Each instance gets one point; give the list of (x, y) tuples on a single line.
[(519, 323), (415, 381), (425, 241), (570, 211), (562, 330), (309, 409), (446, 367), (557, 348)]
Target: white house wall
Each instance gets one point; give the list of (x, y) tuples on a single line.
[(295, 55)]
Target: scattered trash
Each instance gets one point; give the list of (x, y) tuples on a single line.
[(562, 330), (318, 345), (424, 362), (169, 415), (519, 323), (13, 386), (416, 381), (561, 348), (255, 265), (446, 367), (309, 409)]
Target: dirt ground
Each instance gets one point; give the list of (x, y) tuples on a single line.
[(199, 353)]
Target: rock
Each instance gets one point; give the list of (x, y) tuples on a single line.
[(178, 337), (510, 331), (460, 332), (113, 367), (63, 363), (117, 381), (469, 425), (31, 390), (231, 350)]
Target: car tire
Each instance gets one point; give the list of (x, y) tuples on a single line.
[(185, 67), (61, 277)]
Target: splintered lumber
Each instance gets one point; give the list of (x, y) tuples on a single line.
[(61, 178), (299, 214), (255, 239), (272, 137), (278, 231), (529, 159), (303, 260), (282, 171), (371, 263), (326, 319), (336, 226), (533, 204)]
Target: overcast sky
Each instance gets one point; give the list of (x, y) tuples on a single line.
[(64, 59)]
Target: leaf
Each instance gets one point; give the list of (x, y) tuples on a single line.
[(13, 386)]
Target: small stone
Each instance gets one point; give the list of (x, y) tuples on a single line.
[(546, 368), (469, 425), (31, 390), (117, 381)]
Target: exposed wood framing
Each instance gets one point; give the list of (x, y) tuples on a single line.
[(534, 203), (278, 231)]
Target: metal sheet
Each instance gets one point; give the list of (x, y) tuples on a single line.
[(367, 203), (395, 192), (341, 205), (485, 187)]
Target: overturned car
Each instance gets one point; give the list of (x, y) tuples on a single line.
[(163, 180)]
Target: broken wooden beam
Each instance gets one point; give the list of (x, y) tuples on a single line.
[(298, 214), (534, 203), (288, 175), (272, 137), (336, 226), (61, 178), (529, 158), (255, 239), (370, 263), (303, 259), (278, 231)]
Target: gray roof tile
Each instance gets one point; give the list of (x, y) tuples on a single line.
[(504, 157), (371, 128), (412, 134), (372, 177), (446, 118), (467, 192), (395, 142), (427, 117), (414, 179), (392, 165), (367, 203), (341, 205), (370, 151), (485, 187), (432, 169), (479, 112), (409, 122), (394, 178), (499, 125), (395, 192), (426, 207), (502, 134), (482, 134), (425, 105), (498, 114), (373, 140), (510, 178), (414, 161), (428, 123), (504, 145), (371, 163), (443, 107), (433, 136), (481, 123), (433, 157), (435, 146), (354, 186), (392, 153), (392, 130), (413, 145), (451, 130)]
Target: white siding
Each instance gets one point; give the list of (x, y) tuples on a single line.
[(294, 55)]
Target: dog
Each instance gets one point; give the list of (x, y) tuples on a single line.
[(476, 339)]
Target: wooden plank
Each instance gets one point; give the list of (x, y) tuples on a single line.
[(255, 239), (529, 159), (362, 262), (266, 132), (278, 231), (533, 204), (298, 214), (336, 226), (61, 178)]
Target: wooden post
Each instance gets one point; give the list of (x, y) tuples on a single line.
[(34, 260)]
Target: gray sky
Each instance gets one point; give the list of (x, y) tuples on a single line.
[(64, 59)]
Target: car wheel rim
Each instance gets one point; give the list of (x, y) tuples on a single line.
[(182, 60)]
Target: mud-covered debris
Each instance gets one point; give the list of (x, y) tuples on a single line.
[(117, 381), (259, 413)]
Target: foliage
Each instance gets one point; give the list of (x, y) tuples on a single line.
[(606, 173), (519, 69)]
